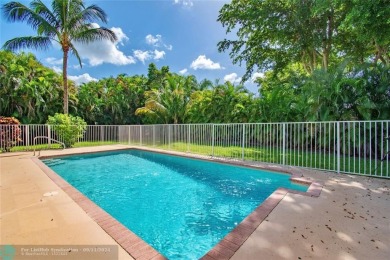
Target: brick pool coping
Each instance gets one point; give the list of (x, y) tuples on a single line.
[(139, 249)]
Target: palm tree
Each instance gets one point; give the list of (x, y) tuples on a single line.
[(67, 22), (168, 104)]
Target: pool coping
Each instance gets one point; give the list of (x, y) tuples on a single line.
[(139, 249)]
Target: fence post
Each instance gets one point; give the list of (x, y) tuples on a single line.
[(284, 144), (49, 136), (118, 133), (140, 135), (101, 133), (154, 135), (169, 137), (129, 141), (188, 138), (212, 142), (243, 142), (27, 129), (338, 147)]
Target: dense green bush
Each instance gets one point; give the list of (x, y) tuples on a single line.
[(68, 128), (30, 91), (9, 133)]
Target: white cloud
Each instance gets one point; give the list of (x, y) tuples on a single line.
[(232, 78), (80, 79), (157, 41), (158, 54), (142, 55), (185, 3), (257, 75), (203, 63), (183, 71), (53, 61), (147, 55), (153, 40), (57, 69), (120, 35), (105, 51)]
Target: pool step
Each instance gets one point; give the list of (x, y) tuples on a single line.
[(52, 162)]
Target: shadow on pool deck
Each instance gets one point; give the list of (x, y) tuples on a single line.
[(350, 220)]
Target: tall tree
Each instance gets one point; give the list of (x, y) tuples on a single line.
[(168, 103), (272, 34), (367, 24), (156, 77), (67, 22)]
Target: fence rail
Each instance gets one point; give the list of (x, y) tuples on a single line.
[(357, 147)]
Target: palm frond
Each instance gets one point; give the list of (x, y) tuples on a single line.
[(90, 14), (41, 9), (93, 34), (93, 13), (17, 12), (73, 18), (63, 11), (144, 111), (75, 52), (155, 106), (33, 42), (57, 9), (14, 11)]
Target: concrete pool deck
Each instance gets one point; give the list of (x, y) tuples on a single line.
[(349, 220)]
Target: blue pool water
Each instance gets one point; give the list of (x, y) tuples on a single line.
[(180, 206)]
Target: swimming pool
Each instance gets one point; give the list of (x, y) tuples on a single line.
[(180, 206)]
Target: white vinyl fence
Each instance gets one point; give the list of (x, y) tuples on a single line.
[(358, 147)]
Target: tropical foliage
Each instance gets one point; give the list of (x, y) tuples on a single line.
[(67, 22), (322, 60), (271, 35), (30, 91), (223, 103), (9, 133), (67, 128), (168, 103), (112, 100)]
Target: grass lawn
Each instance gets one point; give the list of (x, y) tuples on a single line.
[(303, 158), (58, 146)]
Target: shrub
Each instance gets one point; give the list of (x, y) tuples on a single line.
[(68, 128), (9, 133)]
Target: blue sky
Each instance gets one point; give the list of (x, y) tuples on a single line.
[(182, 34)]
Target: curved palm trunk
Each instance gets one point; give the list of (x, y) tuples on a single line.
[(65, 81)]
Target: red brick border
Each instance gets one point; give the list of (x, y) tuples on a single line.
[(139, 249)]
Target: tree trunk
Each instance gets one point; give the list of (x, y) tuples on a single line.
[(328, 40), (65, 80), (380, 53), (325, 62)]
